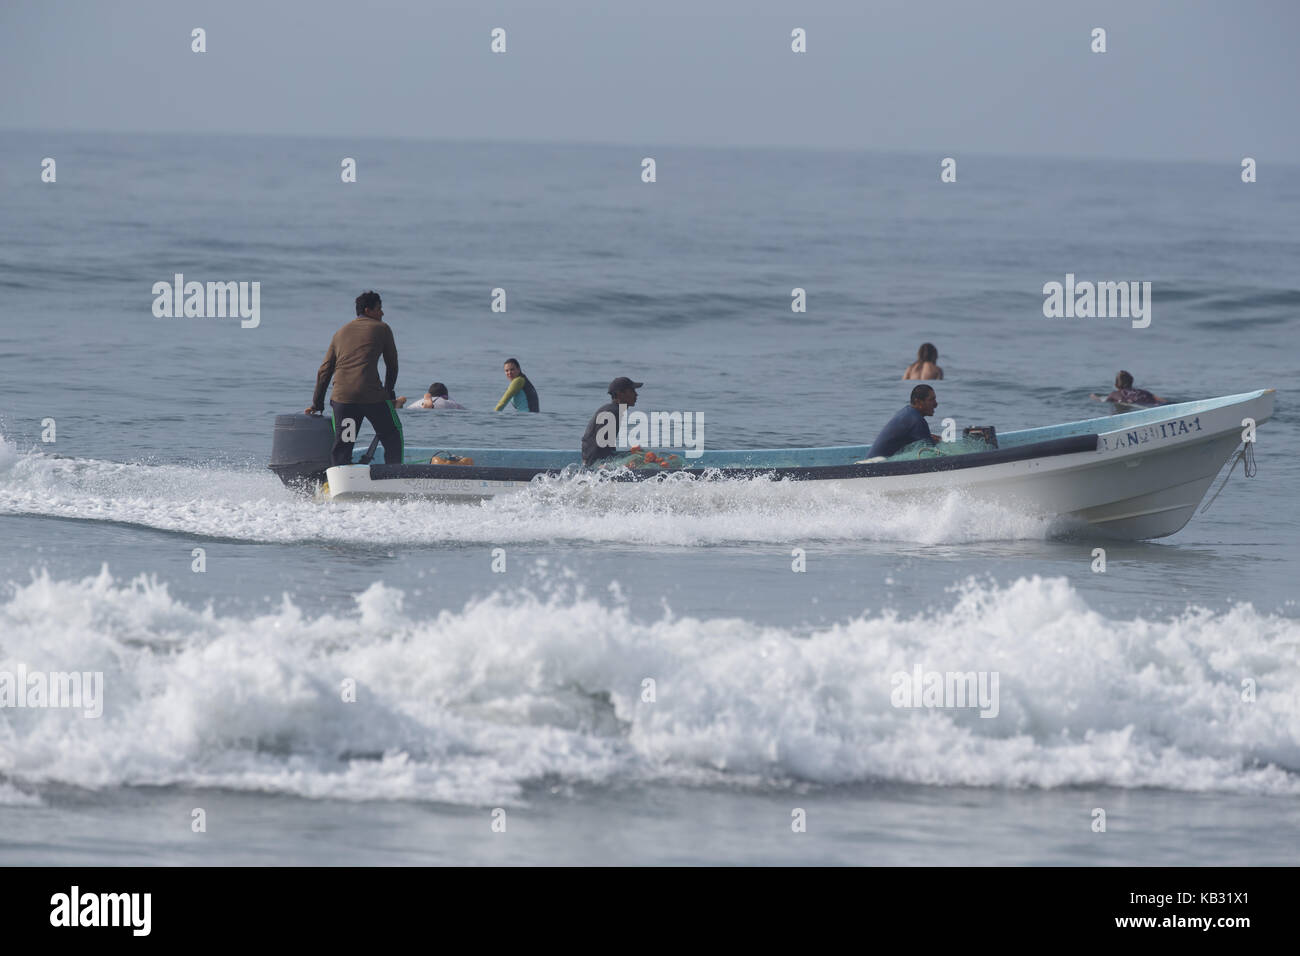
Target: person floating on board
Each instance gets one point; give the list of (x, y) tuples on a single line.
[(435, 397), (353, 362), (908, 425), (600, 440), (924, 367), (520, 390), (1126, 394)]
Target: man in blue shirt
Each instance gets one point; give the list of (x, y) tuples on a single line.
[(908, 425)]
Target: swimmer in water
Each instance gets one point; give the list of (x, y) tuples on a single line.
[(435, 397), (520, 391), (924, 366), (1126, 394)]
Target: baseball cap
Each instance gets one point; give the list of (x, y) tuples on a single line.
[(623, 382)]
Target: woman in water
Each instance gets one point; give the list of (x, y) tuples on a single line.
[(520, 390), (924, 366)]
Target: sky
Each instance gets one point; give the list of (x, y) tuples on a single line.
[(1192, 80)]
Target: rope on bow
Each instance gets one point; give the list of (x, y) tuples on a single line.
[(1246, 455)]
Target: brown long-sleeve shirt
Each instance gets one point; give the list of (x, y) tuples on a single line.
[(353, 362)]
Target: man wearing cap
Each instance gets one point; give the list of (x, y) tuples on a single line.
[(600, 440)]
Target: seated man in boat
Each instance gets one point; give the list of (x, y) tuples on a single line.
[(1126, 394), (600, 440), (908, 425), (520, 390), (435, 397)]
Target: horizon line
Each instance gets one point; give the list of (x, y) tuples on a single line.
[(612, 144)]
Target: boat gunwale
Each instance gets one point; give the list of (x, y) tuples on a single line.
[(1051, 448)]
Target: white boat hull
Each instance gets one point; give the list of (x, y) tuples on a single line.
[(1144, 478)]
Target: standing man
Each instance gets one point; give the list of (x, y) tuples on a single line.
[(353, 362), (600, 440)]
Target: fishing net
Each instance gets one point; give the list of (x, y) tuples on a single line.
[(923, 449)]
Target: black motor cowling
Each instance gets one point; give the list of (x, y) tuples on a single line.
[(300, 450), (985, 433)]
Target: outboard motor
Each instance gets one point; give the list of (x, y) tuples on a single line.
[(985, 433), (300, 450)]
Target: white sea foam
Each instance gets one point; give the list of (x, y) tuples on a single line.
[(472, 706), (8, 454), (245, 505)]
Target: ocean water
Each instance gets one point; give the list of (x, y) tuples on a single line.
[(521, 693)]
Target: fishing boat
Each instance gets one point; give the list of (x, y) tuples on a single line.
[(1135, 475)]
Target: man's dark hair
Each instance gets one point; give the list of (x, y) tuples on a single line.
[(438, 390), (1123, 380), (368, 300), (514, 362), (927, 353), (921, 393)]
